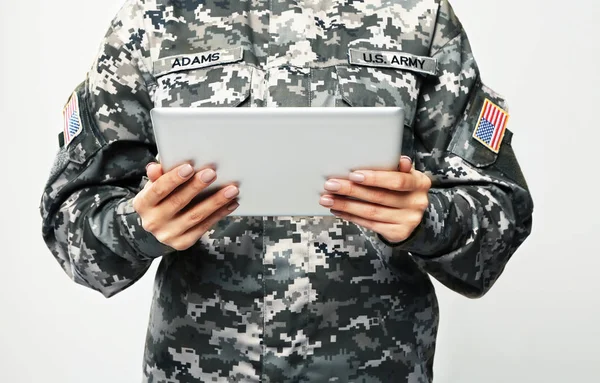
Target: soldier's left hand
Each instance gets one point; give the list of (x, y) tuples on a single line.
[(390, 203)]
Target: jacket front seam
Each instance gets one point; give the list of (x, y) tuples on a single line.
[(264, 303)]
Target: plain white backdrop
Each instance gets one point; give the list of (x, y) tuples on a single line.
[(540, 322)]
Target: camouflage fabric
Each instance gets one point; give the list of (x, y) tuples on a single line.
[(288, 299)]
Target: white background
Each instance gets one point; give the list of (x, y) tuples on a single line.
[(540, 322)]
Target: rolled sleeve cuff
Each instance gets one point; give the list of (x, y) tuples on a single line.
[(432, 236), (142, 241)]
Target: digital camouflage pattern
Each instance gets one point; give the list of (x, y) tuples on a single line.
[(287, 299)]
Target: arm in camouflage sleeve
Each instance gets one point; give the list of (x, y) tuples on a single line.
[(88, 220), (480, 206)]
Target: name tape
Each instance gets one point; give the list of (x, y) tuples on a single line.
[(195, 61), (390, 59)]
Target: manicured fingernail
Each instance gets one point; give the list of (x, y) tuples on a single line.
[(407, 158), (326, 201), (233, 206), (208, 175), (231, 192), (357, 177), (150, 164), (333, 186), (185, 171)]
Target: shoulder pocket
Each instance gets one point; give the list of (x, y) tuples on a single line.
[(209, 79), (86, 143), (80, 138), (81, 141), (481, 132)]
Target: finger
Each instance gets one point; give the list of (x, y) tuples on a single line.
[(405, 165), (183, 195), (154, 171), (192, 235), (376, 226), (137, 200), (379, 196), (392, 232), (390, 180), (361, 209), (201, 211), (164, 185)]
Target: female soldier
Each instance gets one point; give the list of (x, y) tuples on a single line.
[(288, 299)]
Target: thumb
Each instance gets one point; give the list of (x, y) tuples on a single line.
[(405, 164), (154, 171)]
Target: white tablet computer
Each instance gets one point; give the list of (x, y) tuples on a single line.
[(279, 157)]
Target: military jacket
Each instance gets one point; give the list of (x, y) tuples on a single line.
[(287, 299)]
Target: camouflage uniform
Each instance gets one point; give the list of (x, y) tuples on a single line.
[(287, 299)]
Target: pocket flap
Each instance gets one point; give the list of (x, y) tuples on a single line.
[(226, 85), (362, 86)]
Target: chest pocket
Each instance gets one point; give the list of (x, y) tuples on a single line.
[(217, 83), (381, 74), (361, 86)]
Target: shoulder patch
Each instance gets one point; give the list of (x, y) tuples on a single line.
[(72, 119), (491, 126)]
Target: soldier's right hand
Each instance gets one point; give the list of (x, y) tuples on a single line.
[(165, 209)]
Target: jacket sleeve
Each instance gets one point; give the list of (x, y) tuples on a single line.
[(88, 220), (480, 207)]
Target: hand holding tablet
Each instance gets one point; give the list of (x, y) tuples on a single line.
[(279, 157), (391, 203), (168, 209)]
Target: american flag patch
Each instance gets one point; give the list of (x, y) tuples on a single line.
[(72, 119), (491, 126)]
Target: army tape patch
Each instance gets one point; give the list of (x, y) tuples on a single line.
[(391, 59), (72, 119), (196, 61), (491, 126)]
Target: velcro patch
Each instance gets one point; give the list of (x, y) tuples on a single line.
[(196, 61), (72, 119), (391, 59), (491, 126)]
